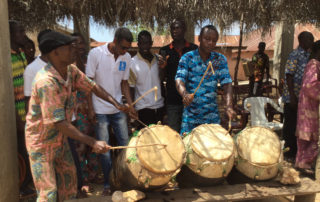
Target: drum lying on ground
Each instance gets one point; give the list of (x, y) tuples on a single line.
[(210, 156), (148, 167), (259, 153)]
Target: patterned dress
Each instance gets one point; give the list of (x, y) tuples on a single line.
[(204, 108), (53, 100), (308, 116), (19, 63)]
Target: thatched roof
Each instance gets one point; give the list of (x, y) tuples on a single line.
[(257, 13)]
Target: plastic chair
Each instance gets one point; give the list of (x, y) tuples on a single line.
[(258, 114)]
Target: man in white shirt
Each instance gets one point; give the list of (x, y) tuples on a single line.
[(109, 66), (33, 68), (144, 75)]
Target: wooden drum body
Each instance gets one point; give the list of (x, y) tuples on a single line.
[(259, 153), (210, 156), (148, 167)]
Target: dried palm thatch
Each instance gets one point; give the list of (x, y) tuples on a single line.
[(37, 14)]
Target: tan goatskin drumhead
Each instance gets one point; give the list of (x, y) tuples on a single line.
[(259, 145), (159, 159), (212, 142)]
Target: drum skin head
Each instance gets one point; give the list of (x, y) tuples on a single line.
[(160, 159), (212, 142), (259, 145)]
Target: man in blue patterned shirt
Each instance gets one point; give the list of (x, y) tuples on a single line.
[(294, 70), (202, 107)]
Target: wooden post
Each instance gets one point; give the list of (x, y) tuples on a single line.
[(189, 35), (305, 198), (236, 69), (81, 25), (283, 46), (9, 190)]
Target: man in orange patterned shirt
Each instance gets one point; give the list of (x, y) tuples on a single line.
[(49, 117)]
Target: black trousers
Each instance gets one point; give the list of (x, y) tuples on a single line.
[(150, 116), (289, 129)]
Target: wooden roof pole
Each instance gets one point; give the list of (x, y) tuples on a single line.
[(9, 190)]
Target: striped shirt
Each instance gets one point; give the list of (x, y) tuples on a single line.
[(19, 62)]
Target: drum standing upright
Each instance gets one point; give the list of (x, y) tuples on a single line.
[(259, 153), (210, 156), (148, 167)]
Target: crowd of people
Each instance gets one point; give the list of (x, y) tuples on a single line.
[(68, 100)]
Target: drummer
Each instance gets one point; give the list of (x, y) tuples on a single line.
[(202, 107), (49, 119)]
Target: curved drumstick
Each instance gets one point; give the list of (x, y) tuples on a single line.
[(205, 73), (146, 145), (146, 93)]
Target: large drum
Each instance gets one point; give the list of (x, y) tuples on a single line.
[(210, 156), (148, 167), (259, 153)]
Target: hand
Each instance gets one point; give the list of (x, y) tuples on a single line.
[(133, 113), (91, 116), (293, 101), (162, 62), (230, 112), (187, 98), (125, 108), (100, 147)]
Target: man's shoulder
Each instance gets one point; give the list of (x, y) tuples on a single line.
[(166, 47), (36, 64), (218, 56), (98, 50), (192, 46)]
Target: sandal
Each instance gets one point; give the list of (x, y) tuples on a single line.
[(106, 192)]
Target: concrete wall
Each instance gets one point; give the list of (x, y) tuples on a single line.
[(8, 141)]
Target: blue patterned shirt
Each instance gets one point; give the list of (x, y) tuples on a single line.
[(295, 65), (204, 107)]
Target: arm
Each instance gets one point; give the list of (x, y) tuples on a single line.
[(293, 97), (268, 69), (100, 92), (228, 93), (68, 129), (125, 89), (187, 98)]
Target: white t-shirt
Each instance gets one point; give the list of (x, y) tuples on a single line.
[(144, 76), (108, 73), (29, 74)]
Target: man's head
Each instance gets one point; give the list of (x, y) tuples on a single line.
[(305, 40), (80, 42), (17, 33), (29, 49), (315, 50), (122, 39), (178, 29), (59, 47), (40, 34), (208, 38), (262, 47), (144, 42)]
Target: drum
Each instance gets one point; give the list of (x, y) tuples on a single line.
[(259, 153), (210, 156), (149, 167)]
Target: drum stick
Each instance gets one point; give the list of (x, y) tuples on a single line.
[(146, 93), (205, 73), (229, 127), (146, 145)]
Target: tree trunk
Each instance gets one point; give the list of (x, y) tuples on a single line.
[(81, 25), (284, 37), (189, 36), (236, 69), (9, 190)]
